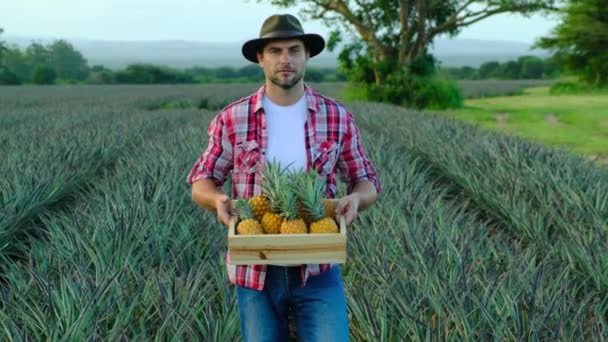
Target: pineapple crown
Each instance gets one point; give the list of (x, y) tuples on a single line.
[(244, 209), (309, 188), (272, 183)]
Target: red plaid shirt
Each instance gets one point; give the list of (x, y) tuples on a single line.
[(238, 141)]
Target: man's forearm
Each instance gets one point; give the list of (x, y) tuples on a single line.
[(367, 194), (205, 193)]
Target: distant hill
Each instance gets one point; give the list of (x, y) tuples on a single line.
[(182, 54)]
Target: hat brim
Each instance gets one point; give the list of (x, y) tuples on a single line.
[(314, 42)]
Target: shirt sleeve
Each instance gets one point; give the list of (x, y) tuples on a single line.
[(216, 161), (353, 164)]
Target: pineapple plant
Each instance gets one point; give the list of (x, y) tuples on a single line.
[(248, 225), (271, 186), (311, 196)]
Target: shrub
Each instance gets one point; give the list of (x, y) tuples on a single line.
[(8, 77), (431, 92), (101, 77), (569, 87), (436, 93), (44, 74)]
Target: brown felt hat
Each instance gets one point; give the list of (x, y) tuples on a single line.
[(282, 26)]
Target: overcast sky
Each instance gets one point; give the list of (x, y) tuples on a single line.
[(199, 20)]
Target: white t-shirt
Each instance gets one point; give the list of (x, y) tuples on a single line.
[(286, 142)]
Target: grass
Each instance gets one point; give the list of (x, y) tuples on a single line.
[(578, 123)]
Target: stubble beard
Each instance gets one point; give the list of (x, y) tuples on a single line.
[(288, 83)]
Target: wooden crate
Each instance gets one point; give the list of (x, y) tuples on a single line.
[(287, 249)]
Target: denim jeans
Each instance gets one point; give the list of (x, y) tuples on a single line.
[(319, 307)]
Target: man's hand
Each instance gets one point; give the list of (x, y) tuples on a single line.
[(348, 206), (208, 196), (362, 197), (224, 209)]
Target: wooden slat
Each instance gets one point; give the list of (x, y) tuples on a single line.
[(287, 248), (264, 257)]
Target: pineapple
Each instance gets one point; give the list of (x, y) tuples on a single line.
[(248, 225), (260, 205), (330, 207), (311, 196), (271, 223), (271, 220), (292, 224), (288, 204)]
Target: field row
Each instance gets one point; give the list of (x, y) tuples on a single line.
[(476, 236)]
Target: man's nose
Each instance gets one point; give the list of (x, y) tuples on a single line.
[(284, 57)]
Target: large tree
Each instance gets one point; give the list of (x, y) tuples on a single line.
[(2, 46), (68, 62), (390, 37), (580, 41)]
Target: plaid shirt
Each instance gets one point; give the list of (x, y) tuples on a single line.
[(238, 141)]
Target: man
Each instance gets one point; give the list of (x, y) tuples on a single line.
[(288, 121)]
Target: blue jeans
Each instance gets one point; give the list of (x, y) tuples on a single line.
[(319, 307)]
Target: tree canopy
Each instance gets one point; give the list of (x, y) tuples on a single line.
[(2, 45), (384, 38), (579, 42)]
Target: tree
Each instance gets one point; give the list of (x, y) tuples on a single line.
[(488, 69), (509, 70), (388, 37), (531, 67), (15, 61), (6, 75), (67, 61), (3, 47), (37, 54), (579, 41)]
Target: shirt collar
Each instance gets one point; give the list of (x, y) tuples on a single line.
[(312, 99)]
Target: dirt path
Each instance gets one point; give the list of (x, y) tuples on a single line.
[(501, 120), (552, 120)]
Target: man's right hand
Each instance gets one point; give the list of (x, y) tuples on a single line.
[(208, 196), (224, 209)]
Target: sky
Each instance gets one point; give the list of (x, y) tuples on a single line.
[(198, 20)]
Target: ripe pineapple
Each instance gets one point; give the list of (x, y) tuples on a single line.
[(248, 225), (260, 205), (311, 196), (271, 186), (288, 205), (292, 224), (330, 207), (271, 223)]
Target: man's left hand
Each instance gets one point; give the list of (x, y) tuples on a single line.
[(348, 206)]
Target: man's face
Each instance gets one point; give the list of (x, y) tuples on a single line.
[(284, 62)]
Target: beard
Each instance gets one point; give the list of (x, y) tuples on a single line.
[(288, 83)]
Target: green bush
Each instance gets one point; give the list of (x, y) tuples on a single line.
[(430, 92), (569, 87), (436, 92), (44, 74), (8, 77), (101, 77)]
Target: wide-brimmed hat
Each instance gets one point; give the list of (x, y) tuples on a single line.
[(282, 26)]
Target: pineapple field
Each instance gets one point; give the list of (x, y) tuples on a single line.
[(476, 236)]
